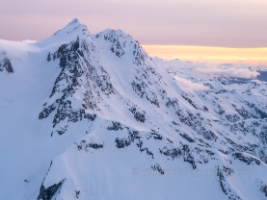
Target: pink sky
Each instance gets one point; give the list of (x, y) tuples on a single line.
[(227, 23)]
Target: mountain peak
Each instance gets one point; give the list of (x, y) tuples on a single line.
[(70, 32), (92, 107), (74, 26), (114, 33), (74, 21)]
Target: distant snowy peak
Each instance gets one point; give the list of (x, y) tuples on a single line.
[(69, 33), (74, 27), (112, 34), (117, 41), (74, 21)]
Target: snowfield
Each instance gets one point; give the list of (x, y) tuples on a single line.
[(93, 116)]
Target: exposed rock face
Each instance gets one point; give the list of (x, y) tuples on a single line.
[(48, 193), (5, 64), (78, 73)]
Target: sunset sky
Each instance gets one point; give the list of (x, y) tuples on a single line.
[(252, 56), (182, 23)]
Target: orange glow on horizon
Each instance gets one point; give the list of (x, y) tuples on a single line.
[(252, 56)]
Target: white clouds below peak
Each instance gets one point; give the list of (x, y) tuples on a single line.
[(230, 72), (17, 49), (186, 84)]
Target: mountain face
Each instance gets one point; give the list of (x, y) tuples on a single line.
[(86, 116)]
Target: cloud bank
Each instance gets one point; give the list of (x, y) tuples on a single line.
[(230, 72), (184, 83), (17, 49)]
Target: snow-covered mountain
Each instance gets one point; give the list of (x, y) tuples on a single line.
[(92, 116)]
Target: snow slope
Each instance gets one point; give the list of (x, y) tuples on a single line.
[(87, 116)]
